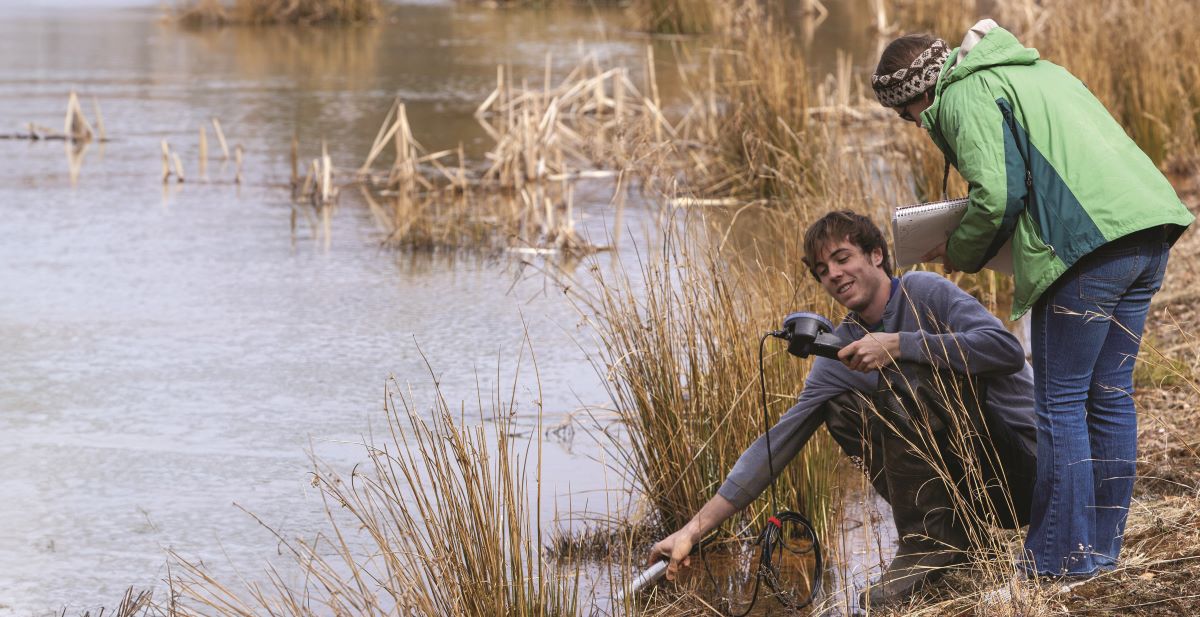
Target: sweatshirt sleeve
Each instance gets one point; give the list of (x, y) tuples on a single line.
[(967, 338), (978, 128), (751, 474)]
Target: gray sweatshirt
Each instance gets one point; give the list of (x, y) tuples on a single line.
[(939, 324)]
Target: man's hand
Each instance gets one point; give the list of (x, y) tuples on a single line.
[(871, 352), (939, 252), (677, 547)]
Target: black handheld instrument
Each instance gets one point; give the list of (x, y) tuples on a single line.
[(809, 334)]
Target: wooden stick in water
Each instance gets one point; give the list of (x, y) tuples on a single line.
[(221, 139), (99, 118), (386, 130), (619, 94), (166, 161), (178, 167), (76, 125), (203, 152), (307, 189), (314, 171), (295, 156), (462, 169), (326, 174), (651, 77), (500, 85), (379, 145)]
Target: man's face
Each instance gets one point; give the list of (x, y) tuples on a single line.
[(852, 277)]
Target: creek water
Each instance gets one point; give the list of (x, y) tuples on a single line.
[(170, 351)]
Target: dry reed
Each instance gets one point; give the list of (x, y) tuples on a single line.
[(77, 130), (438, 521), (132, 604), (594, 123), (1130, 54), (679, 16)]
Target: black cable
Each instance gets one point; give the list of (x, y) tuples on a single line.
[(769, 539), (762, 382)]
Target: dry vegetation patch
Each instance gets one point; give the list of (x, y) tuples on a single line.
[(210, 13)]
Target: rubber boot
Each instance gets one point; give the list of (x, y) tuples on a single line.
[(931, 541)]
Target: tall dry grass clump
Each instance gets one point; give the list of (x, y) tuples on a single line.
[(1134, 55), (680, 353), (679, 16), (770, 130), (437, 521), (680, 332), (206, 13), (593, 123), (942, 17), (750, 105)]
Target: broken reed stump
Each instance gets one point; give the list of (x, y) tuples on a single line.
[(221, 139), (545, 139), (76, 128), (595, 123), (172, 162), (76, 125), (203, 152)]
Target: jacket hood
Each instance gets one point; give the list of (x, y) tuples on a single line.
[(986, 45), (997, 47)]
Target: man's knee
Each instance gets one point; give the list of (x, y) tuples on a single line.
[(847, 418)]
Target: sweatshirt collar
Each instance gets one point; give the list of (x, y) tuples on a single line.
[(878, 327)]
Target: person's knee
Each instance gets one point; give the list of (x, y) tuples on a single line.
[(847, 417)]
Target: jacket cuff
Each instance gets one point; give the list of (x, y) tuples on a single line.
[(962, 261), (912, 347), (736, 495)]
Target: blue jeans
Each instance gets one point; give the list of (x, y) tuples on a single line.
[(1086, 332)]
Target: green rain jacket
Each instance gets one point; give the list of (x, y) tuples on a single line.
[(1046, 164)]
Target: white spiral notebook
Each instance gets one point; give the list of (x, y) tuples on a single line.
[(918, 228)]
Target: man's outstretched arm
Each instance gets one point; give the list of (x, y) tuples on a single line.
[(678, 545), (752, 473)]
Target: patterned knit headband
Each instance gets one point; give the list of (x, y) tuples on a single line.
[(905, 84)]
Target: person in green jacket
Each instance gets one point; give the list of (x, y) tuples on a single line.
[(1091, 221)]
